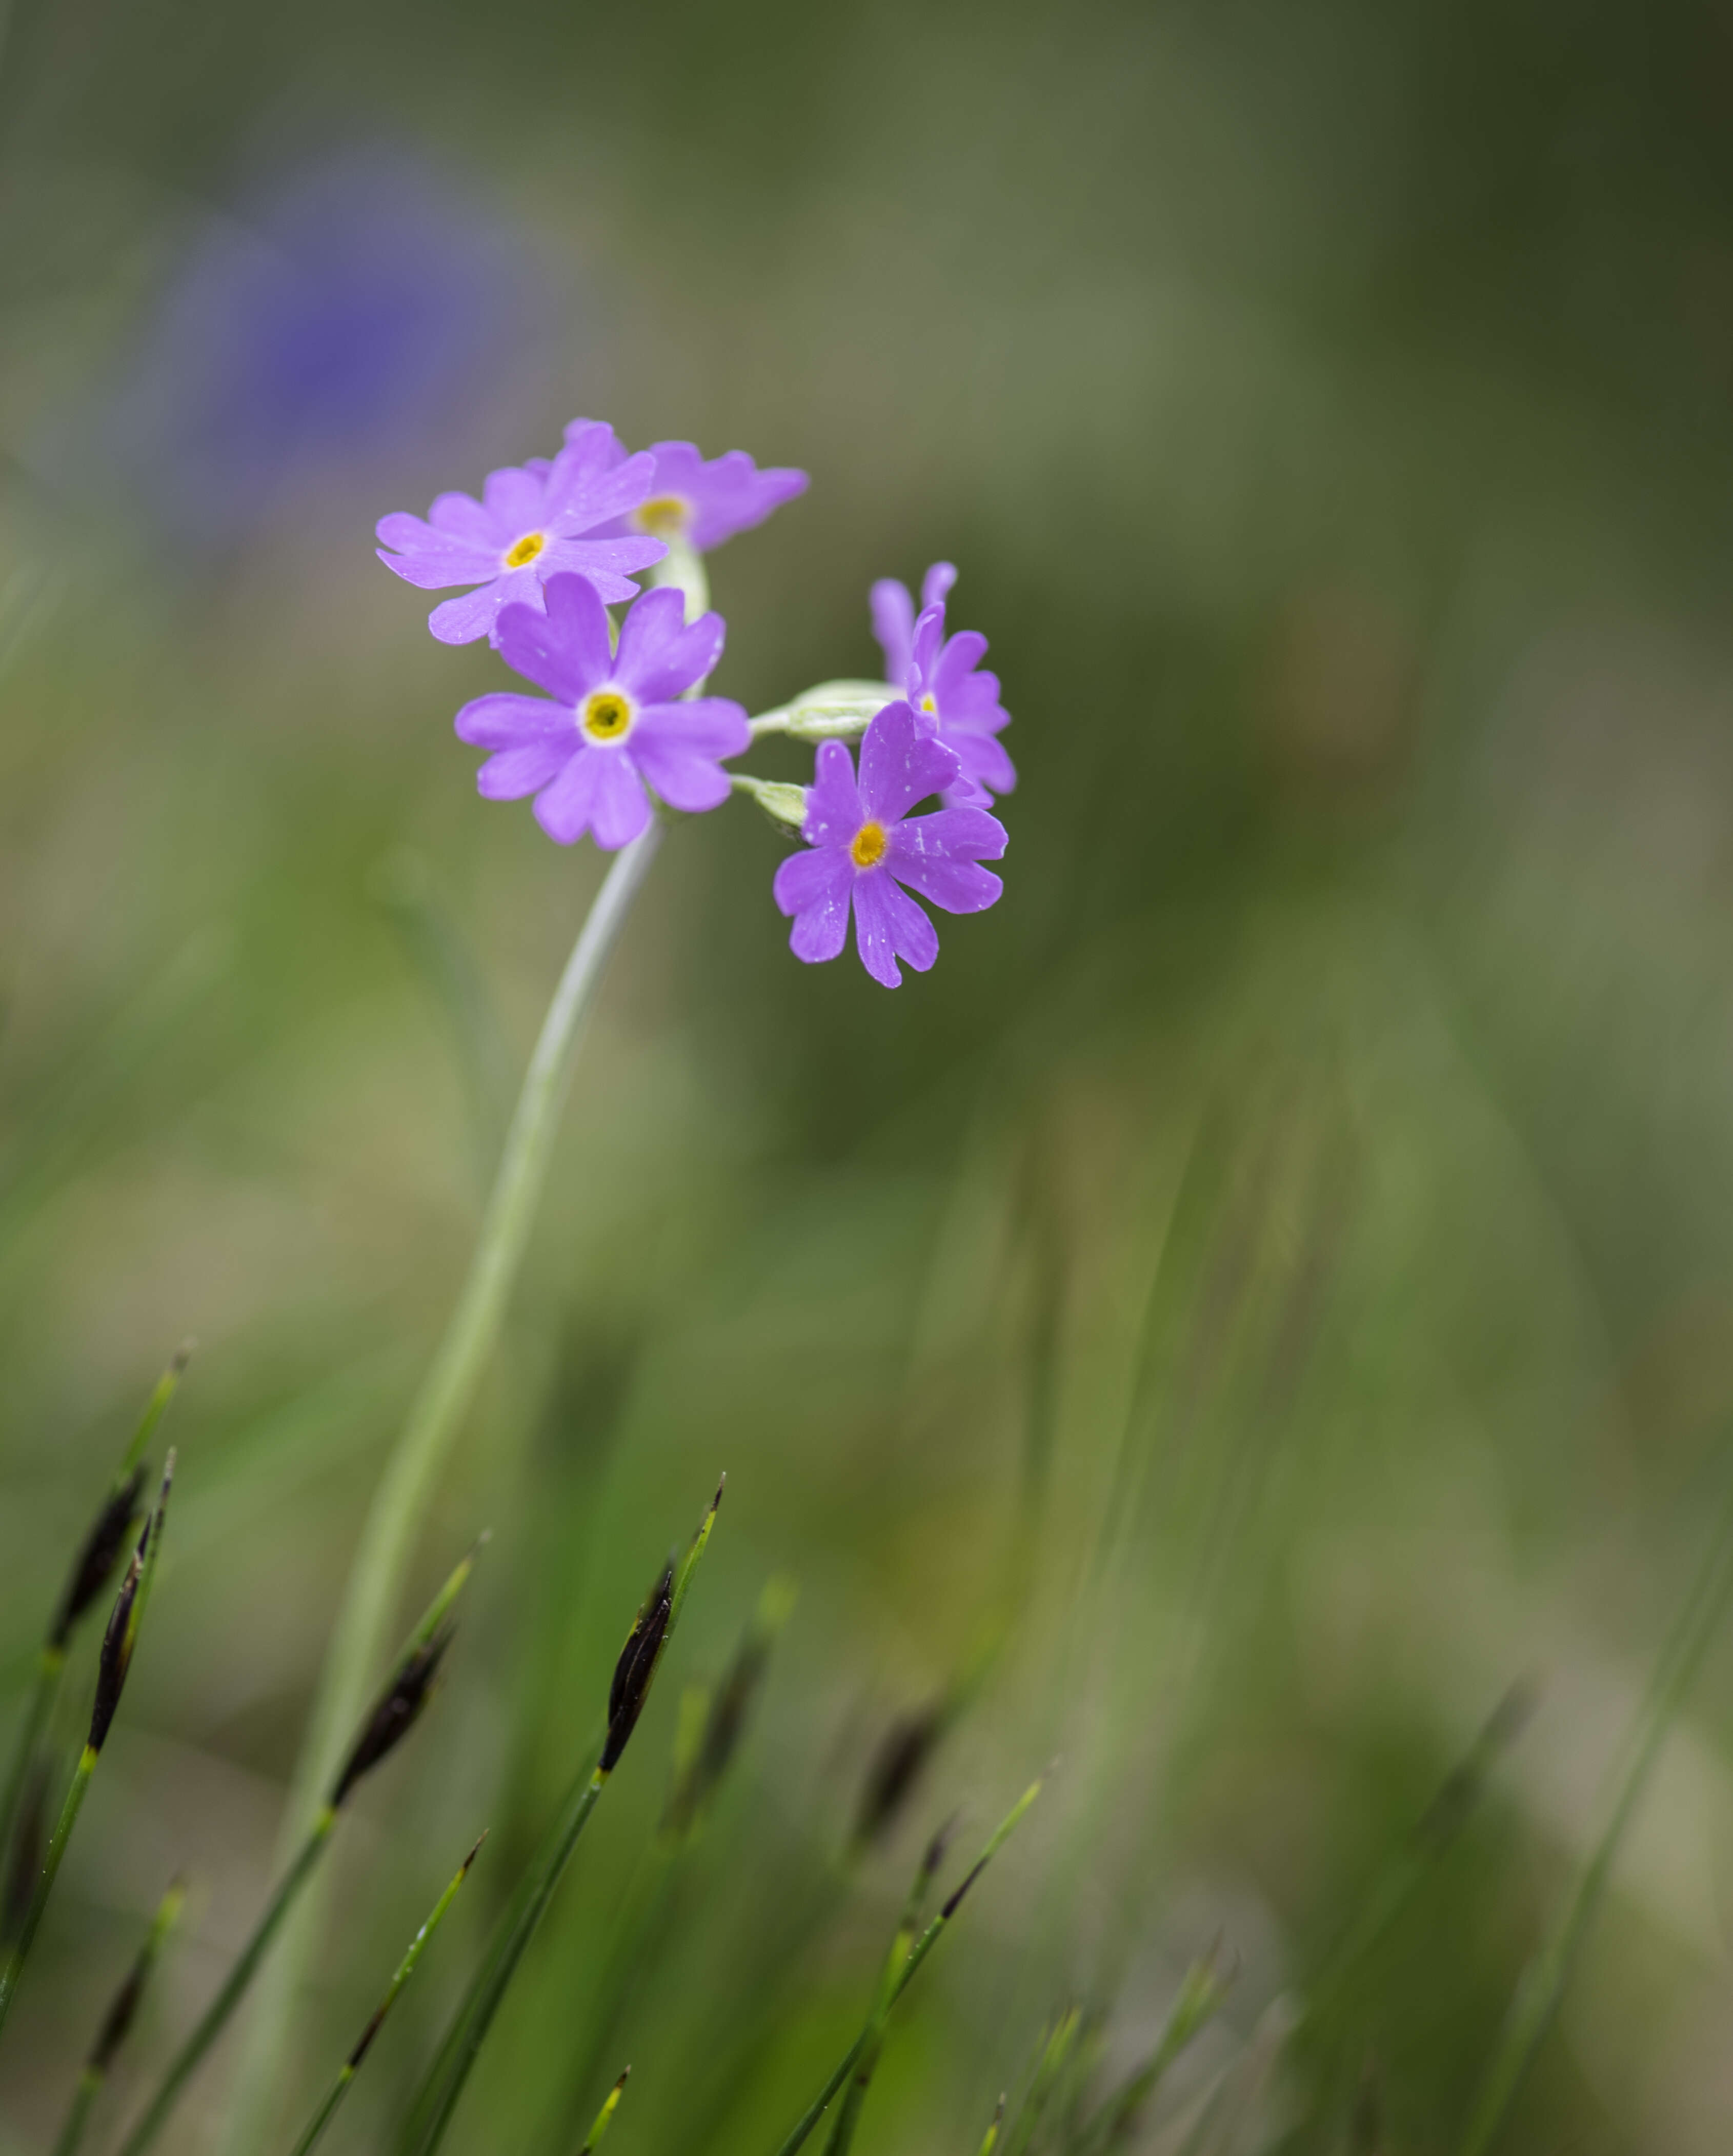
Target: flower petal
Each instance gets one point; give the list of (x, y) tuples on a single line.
[(815, 888), (676, 746), (899, 765), (962, 654), (462, 620), (929, 643), (513, 498), (957, 886), (606, 562), (986, 761), (714, 726), (598, 792), (835, 813), (659, 655), (565, 650), (428, 559), (516, 772), (463, 517), (505, 720), (591, 481), (952, 835), (888, 925), (893, 629), (935, 585)]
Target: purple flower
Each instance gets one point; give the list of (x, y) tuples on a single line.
[(617, 724), (321, 331), (707, 503), (944, 680), (528, 526), (866, 846)]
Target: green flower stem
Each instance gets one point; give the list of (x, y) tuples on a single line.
[(682, 567), (69, 1809), (412, 1473), (334, 2095), (216, 2016)]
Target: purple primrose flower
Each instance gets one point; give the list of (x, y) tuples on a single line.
[(533, 522), (943, 679), (865, 847), (617, 724), (707, 503)]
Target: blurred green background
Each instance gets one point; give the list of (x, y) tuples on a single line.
[(1273, 1280)]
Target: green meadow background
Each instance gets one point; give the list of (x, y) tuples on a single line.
[(1268, 1289)]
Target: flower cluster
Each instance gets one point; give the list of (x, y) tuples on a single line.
[(622, 725)]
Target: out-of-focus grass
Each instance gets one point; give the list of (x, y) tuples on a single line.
[(1270, 1282)]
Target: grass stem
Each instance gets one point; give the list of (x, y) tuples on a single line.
[(801, 2129), (117, 2022), (1541, 1986), (327, 2108)]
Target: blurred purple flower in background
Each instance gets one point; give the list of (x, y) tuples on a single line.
[(349, 320), (865, 846)]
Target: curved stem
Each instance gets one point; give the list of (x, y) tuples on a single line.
[(400, 1504)]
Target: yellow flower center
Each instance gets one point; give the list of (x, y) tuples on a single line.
[(929, 702), (664, 516), (526, 549), (606, 716), (867, 847)]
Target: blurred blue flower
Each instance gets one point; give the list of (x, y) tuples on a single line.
[(345, 324)]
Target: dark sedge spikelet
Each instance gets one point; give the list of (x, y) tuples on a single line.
[(101, 1553), (906, 1748), (724, 1726), (397, 1710), (123, 2009), (116, 1656), (637, 1665)]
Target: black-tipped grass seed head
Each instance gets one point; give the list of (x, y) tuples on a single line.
[(637, 1665), (397, 1712), (94, 1566), (115, 1658), (907, 1746)]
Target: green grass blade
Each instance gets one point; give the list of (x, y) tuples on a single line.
[(92, 1568), (117, 2022), (610, 2105), (1542, 1984), (799, 2132), (437, 2099), (328, 2105), (301, 1868)]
